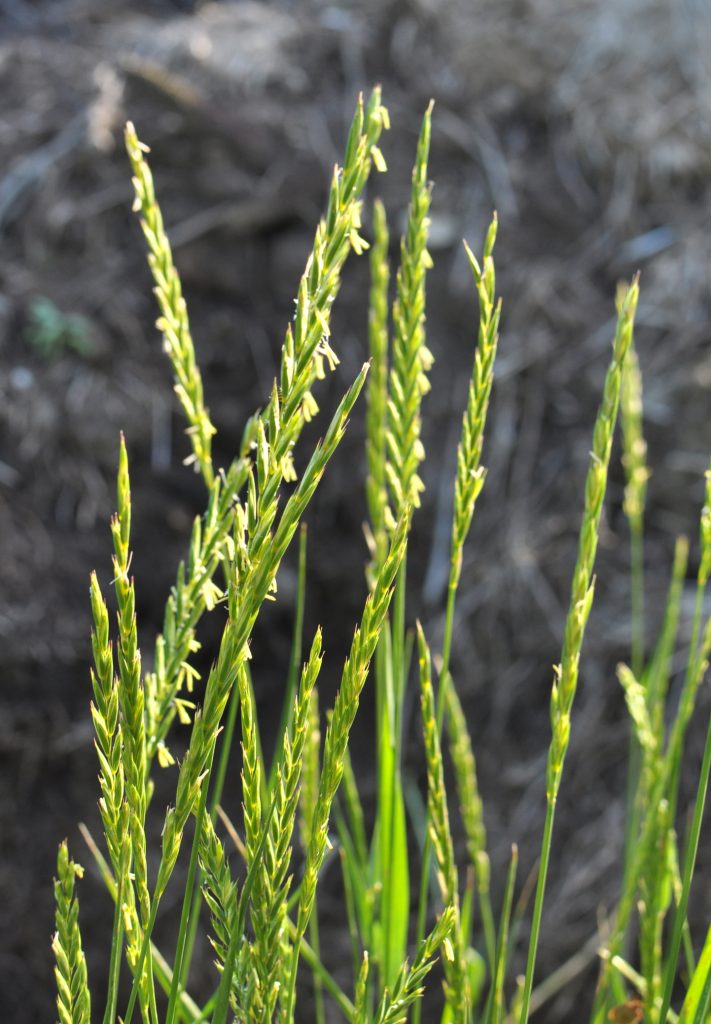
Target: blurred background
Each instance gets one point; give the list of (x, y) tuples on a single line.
[(587, 125)]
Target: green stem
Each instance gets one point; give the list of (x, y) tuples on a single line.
[(398, 677), (178, 965), (691, 682), (297, 644), (637, 574), (318, 983), (115, 963), (538, 909), (128, 1016), (447, 644), (634, 761)]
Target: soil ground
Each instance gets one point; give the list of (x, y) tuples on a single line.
[(586, 124)]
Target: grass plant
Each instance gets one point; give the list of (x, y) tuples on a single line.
[(411, 896)]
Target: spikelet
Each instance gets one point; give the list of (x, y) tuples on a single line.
[(271, 888), (470, 802), (173, 322), (360, 1003), (73, 998), (470, 473), (377, 391), (411, 359), (409, 985), (311, 772), (456, 987), (107, 726), (581, 597), (194, 592), (130, 690), (218, 889), (634, 446), (307, 350)]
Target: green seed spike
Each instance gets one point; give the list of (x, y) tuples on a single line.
[(377, 394), (73, 997), (411, 359), (409, 985), (566, 674), (272, 885), (173, 321), (470, 473), (471, 806)]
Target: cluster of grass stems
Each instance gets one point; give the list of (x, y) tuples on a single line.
[(258, 879)]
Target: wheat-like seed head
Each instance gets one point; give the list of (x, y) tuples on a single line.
[(271, 888), (470, 802), (411, 359), (581, 597), (130, 691), (634, 457), (377, 393), (470, 473), (409, 985), (173, 322), (73, 999)]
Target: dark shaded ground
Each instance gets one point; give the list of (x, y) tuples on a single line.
[(585, 124)]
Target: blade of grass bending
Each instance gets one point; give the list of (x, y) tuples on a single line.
[(566, 676), (687, 875)]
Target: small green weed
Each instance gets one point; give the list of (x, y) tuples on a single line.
[(50, 332), (264, 917)]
